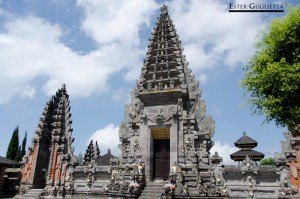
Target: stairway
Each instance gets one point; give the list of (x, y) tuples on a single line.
[(2, 193), (32, 193), (152, 190)]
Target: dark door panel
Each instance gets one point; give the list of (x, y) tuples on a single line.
[(161, 158)]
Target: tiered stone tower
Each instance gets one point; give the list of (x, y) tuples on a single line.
[(166, 134), (50, 153), (165, 123)]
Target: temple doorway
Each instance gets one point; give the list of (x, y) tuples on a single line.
[(161, 153), (41, 170)]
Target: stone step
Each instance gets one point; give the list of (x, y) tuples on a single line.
[(151, 194), (155, 186), (37, 193), (158, 187), (153, 190), (31, 195), (33, 192), (26, 197), (36, 190), (4, 196)]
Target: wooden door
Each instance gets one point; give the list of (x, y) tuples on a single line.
[(161, 158)]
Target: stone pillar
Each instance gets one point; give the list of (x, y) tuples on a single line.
[(174, 143), (145, 144)]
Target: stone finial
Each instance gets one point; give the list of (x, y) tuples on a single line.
[(89, 154), (63, 87), (164, 9), (216, 159), (108, 151)]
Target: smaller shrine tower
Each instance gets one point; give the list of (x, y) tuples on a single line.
[(51, 152), (246, 145)]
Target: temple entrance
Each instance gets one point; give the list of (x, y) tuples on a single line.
[(42, 162), (161, 159), (161, 153)]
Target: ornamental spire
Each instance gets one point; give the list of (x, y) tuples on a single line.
[(51, 146), (165, 68)]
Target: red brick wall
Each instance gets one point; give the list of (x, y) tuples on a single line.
[(294, 167)]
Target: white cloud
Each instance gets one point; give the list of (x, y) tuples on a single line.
[(216, 109), (224, 150), (28, 92), (202, 78), (116, 21), (31, 48), (107, 138), (212, 36), (121, 95), (119, 22)]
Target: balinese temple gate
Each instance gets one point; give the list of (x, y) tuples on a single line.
[(165, 123), (165, 142)]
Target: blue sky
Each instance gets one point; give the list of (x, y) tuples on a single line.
[(97, 48)]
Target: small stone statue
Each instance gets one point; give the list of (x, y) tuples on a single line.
[(170, 187)]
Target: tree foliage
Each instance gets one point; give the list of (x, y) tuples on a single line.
[(13, 147), (273, 75), (14, 151), (267, 161), (23, 150), (79, 159)]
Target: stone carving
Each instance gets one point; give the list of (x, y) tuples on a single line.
[(169, 188), (188, 144), (53, 133), (167, 98), (161, 116), (248, 165), (136, 145), (140, 167), (250, 182)]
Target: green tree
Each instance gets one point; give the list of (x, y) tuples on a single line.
[(13, 147), (19, 155), (273, 75), (79, 159), (267, 161), (23, 151)]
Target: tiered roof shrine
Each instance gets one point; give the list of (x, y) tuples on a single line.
[(246, 145)]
